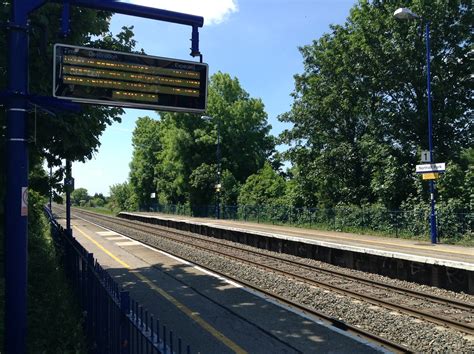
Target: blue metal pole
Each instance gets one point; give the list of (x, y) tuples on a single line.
[(434, 232), (68, 196), (218, 153), (16, 212), (51, 188)]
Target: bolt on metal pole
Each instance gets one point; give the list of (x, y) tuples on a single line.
[(16, 208), (433, 229)]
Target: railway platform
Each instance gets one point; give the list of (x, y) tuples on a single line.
[(215, 314), (445, 266)]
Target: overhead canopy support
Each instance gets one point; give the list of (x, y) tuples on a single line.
[(16, 198), (139, 11), (126, 9)]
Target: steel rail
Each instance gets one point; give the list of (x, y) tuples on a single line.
[(383, 342), (467, 328)]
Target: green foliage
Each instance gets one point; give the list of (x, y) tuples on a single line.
[(79, 196), (203, 184), (97, 200), (360, 108), (458, 181), (185, 164), (65, 135), (54, 318), (122, 197), (230, 188), (146, 145), (264, 187)]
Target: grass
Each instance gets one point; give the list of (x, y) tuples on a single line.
[(100, 210), (54, 319)]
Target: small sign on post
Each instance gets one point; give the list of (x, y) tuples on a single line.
[(430, 175), (425, 156), (24, 201), (431, 167), (69, 184)]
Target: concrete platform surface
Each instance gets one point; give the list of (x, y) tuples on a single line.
[(210, 313), (411, 250)]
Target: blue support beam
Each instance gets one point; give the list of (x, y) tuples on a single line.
[(16, 220), (17, 100), (139, 11)]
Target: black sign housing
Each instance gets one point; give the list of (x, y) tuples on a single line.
[(111, 78)]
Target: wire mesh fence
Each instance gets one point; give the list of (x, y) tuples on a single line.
[(377, 220)]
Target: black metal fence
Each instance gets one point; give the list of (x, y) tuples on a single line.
[(113, 321), (399, 223)]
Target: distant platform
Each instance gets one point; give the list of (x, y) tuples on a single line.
[(446, 266)]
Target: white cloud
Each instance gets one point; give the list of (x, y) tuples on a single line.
[(213, 11)]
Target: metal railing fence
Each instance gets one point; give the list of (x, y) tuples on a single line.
[(398, 223), (113, 321)]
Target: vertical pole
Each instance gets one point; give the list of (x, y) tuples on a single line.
[(50, 188), (434, 232), (16, 211), (124, 322), (68, 196), (218, 155)]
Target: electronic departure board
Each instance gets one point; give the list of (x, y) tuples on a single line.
[(111, 78)]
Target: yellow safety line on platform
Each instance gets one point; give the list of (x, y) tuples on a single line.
[(186, 310), (102, 248)]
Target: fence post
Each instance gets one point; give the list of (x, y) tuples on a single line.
[(89, 298), (124, 322)]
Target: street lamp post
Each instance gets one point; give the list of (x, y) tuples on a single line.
[(218, 157), (407, 14)]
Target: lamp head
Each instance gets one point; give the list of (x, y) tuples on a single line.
[(404, 13)]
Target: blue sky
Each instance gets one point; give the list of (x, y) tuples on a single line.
[(254, 40)]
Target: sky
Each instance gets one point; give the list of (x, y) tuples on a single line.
[(254, 40)]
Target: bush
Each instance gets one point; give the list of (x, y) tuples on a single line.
[(54, 318)]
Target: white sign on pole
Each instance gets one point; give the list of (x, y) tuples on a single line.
[(24, 201), (425, 156), (431, 167)]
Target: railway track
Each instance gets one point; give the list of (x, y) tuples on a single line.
[(446, 312)]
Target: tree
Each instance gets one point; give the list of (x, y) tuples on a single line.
[(359, 111), (64, 135), (79, 196), (263, 188), (146, 145), (186, 163), (98, 200), (122, 197)]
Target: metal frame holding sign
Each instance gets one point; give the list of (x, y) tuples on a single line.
[(111, 78)]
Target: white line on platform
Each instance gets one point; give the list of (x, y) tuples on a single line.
[(255, 293), (128, 243), (106, 233), (116, 238)]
